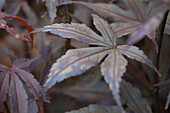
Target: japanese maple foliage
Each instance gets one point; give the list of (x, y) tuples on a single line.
[(140, 18), (13, 81), (77, 61)]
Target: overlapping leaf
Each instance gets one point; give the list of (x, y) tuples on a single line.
[(97, 108), (51, 5), (17, 93), (140, 18), (133, 97), (77, 61), (18, 96), (95, 91)]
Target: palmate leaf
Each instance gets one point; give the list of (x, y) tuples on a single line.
[(139, 18), (17, 93), (133, 97), (18, 96), (97, 108), (77, 61)]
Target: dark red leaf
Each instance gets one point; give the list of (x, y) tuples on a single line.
[(4, 85), (33, 85), (17, 93), (18, 96), (22, 63)]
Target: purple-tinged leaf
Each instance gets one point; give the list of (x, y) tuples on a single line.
[(18, 96), (122, 29), (32, 84), (17, 93), (108, 10), (97, 108), (134, 53), (3, 67), (4, 85), (143, 18), (137, 7), (168, 101), (113, 69), (9, 53), (51, 5), (133, 97), (105, 29), (22, 63), (147, 27), (32, 105), (76, 31), (75, 62)]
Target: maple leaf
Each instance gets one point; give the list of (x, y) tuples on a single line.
[(76, 61), (17, 93), (139, 18), (51, 5)]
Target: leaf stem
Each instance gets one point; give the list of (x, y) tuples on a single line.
[(151, 44), (142, 76)]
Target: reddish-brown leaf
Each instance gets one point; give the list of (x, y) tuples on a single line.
[(4, 85), (18, 96), (17, 93)]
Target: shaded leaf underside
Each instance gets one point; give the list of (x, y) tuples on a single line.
[(133, 97)]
